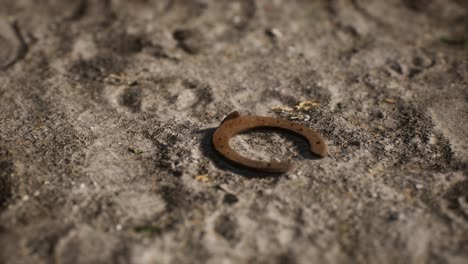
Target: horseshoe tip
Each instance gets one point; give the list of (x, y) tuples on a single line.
[(320, 153), (319, 148), (232, 115)]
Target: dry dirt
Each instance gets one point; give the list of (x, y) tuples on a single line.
[(107, 108)]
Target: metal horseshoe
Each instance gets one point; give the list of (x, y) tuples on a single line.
[(234, 124)]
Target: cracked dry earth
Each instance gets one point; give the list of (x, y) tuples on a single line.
[(107, 109)]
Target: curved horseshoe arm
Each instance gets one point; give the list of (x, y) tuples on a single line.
[(234, 124)]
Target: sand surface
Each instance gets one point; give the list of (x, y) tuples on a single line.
[(107, 109)]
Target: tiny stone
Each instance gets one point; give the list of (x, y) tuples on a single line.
[(418, 186), (236, 20), (36, 193), (274, 33), (118, 227), (132, 83), (26, 198), (230, 199)]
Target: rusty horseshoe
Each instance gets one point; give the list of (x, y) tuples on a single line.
[(234, 124)]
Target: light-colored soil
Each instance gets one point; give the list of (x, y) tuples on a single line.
[(107, 109)]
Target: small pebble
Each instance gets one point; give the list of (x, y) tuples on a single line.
[(26, 198), (418, 186), (236, 20), (274, 33), (230, 199)]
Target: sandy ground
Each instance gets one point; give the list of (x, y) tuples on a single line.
[(107, 108)]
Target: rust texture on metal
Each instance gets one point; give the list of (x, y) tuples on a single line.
[(234, 124)]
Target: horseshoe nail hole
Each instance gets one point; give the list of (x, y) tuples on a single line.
[(318, 142)]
